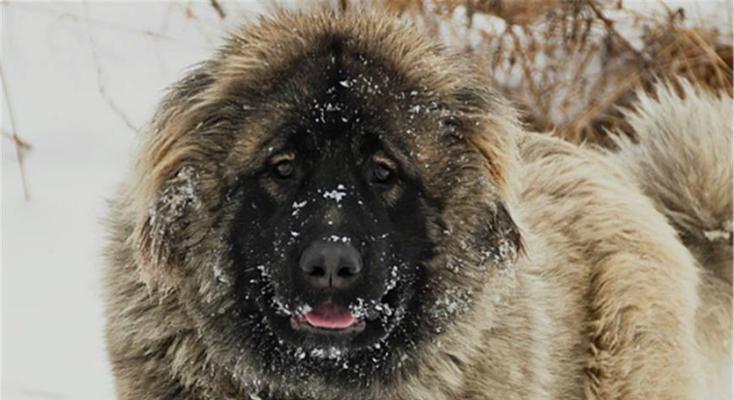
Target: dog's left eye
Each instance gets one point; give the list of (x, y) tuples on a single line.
[(283, 165), (284, 169)]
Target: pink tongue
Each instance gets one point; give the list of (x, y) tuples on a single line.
[(330, 316)]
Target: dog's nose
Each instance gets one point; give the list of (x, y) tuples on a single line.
[(330, 265)]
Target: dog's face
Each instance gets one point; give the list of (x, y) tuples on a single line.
[(335, 219), (330, 240)]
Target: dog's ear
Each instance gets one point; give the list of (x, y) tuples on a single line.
[(167, 181), (508, 239), (495, 157), (161, 233), (493, 128)]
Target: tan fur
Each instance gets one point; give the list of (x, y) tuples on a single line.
[(683, 162), (589, 293)]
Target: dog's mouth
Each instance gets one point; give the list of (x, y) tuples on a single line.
[(328, 319), (334, 321)]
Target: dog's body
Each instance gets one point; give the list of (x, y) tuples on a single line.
[(578, 288)]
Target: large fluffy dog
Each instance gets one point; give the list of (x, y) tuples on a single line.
[(335, 207)]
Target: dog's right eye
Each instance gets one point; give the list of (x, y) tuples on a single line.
[(383, 171)]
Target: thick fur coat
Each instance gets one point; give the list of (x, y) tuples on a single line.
[(559, 272)]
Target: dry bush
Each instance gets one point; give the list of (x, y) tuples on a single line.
[(571, 64)]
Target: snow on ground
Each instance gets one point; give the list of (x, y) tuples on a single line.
[(64, 62), (52, 324)]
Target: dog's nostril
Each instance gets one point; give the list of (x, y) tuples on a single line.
[(317, 271), (347, 272)]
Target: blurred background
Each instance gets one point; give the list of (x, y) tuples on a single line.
[(81, 79)]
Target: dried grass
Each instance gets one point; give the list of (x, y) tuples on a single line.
[(571, 64)]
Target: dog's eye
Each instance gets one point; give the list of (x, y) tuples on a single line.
[(382, 171), (283, 165), (284, 169)]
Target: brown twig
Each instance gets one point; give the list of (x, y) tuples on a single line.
[(16, 139), (218, 8), (35, 8), (612, 30), (100, 78), (21, 146), (526, 65)]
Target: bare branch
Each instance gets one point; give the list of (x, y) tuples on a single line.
[(609, 24), (218, 8), (20, 145), (100, 77), (37, 8)]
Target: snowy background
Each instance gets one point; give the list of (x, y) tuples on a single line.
[(81, 79)]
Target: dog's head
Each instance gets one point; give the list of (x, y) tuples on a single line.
[(326, 197)]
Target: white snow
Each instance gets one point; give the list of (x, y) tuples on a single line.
[(717, 235), (337, 194), (337, 239), (52, 309), (297, 207)]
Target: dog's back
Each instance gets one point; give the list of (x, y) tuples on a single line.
[(683, 162), (631, 252)]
